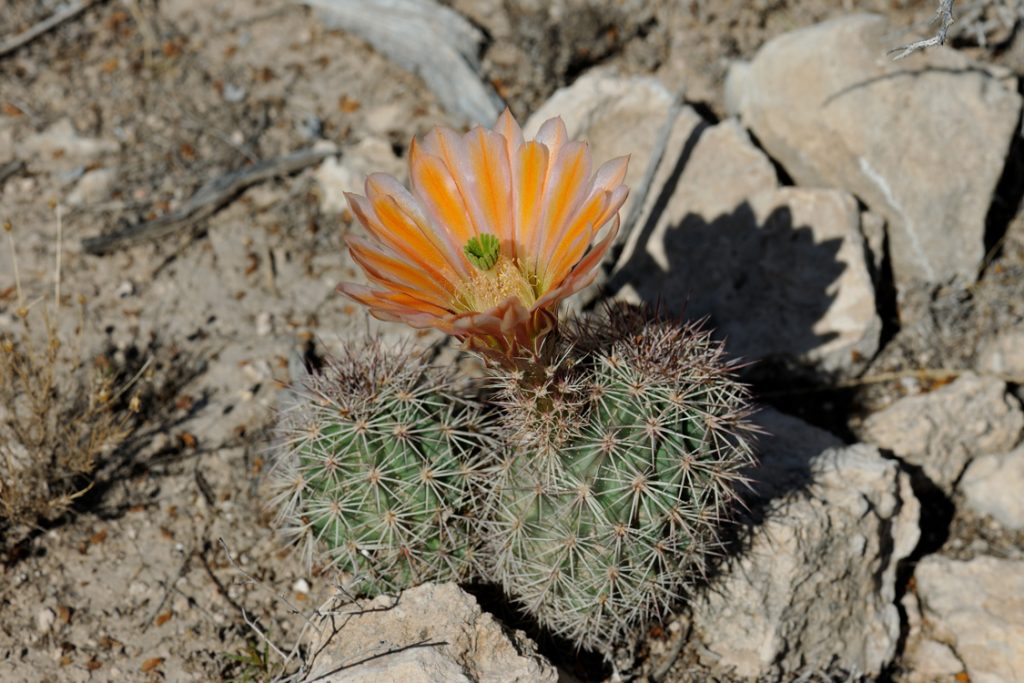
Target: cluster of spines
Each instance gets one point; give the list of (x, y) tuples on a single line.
[(622, 456), (379, 463)]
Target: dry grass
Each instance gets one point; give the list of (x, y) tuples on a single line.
[(59, 411)]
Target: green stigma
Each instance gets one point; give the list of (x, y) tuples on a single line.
[(483, 251)]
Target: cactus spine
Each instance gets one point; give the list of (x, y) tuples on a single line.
[(378, 462), (622, 456)]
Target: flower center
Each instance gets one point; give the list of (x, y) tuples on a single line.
[(496, 279)]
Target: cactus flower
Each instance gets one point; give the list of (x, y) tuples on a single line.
[(495, 232)]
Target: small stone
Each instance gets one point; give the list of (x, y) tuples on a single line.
[(993, 485), (45, 619), (234, 93), (301, 586), (62, 140), (264, 323), (125, 289), (93, 187)]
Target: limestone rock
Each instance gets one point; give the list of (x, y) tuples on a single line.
[(817, 585), (425, 38), (993, 485), (435, 632), (976, 608), (943, 430), (836, 111)]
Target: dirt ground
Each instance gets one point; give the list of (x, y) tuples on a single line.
[(155, 572)]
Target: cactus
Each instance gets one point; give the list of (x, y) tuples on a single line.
[(623, 454), (378, 462)]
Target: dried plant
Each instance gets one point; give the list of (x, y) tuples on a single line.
[(59, 413)]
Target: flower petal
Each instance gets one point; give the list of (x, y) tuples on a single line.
[(583, 273), (408, 218), (552, 134), (564, 190), (397, 307), (453, 150), (529, 170), (611, 174), (574, 240), (390, 270), (508, 128), (385, 221), (491, 184), (439, 194)]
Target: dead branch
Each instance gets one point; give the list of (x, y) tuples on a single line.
[(208, 200), (944, 15), (44, 26)]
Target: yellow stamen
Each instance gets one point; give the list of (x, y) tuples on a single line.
[(491, 287)]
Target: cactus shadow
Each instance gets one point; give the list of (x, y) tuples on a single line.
[(575, 665), (763, 285)]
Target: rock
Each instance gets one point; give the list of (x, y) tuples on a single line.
[(816, 587), (928, 661), (61, 140), (336, 177), (976, 608), (93, 187), (993, 485), (435, 632), (836, 111), (427, 39), (1003, 355), (943, 430), (716, 235)]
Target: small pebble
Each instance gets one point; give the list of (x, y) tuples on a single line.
[(45, 619), (301, 586), (264, 324), (125, 289)]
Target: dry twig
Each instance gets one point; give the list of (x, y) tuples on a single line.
[(44, 26), (210, 198), (945, 18)]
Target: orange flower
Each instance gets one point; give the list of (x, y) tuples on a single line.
[(496, 231)]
